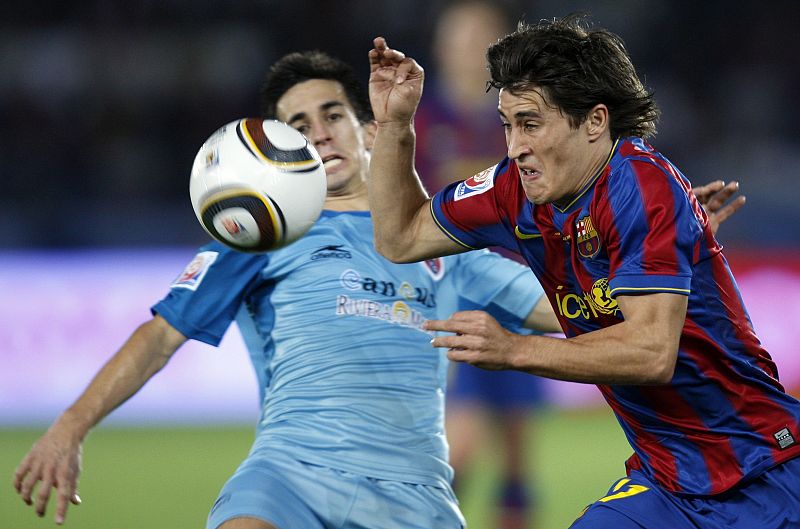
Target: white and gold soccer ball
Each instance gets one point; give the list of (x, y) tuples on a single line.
[(257, 185)]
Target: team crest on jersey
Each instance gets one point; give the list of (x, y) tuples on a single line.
[(434, 267), (586, 237), (193, 274), (475, 185)]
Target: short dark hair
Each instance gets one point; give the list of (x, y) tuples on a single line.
[(576, 68), (299, 67)]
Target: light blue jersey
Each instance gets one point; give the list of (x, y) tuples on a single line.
[(348, 379)]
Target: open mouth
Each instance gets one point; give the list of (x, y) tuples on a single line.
[(331, 161), (529, 173)]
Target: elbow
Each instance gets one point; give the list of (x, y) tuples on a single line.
[(661, 369), (394, 252)]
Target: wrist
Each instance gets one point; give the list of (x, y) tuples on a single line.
[(519, 358), (73, 424), (400, 133), (398, 126)]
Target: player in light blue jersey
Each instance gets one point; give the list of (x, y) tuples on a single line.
[(351, 432)]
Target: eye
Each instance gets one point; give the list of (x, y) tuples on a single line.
[(530, 126), (506, 126), (302, 129), (334, 116)]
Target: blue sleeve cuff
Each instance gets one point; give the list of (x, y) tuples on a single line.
[(649, 284), (189, 331)]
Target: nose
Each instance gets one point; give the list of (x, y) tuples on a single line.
[(517, 147), (320, 133)]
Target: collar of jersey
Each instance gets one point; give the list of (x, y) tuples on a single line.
[(591, 182), (332, 213)]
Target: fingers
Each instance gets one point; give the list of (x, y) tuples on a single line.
[(382, 55), (405, 69), (66, 494), (704, 192), (29, 473), (43, 494), (470, 330), (27, 481), (459, 322), (718, 199), (452, 342), (20, 473), (62, 502), (722, 214)]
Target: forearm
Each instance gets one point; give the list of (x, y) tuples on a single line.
[(142, 356), (621, 354), (542, 318), (396, 194)]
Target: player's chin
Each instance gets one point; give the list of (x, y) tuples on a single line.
[(537, 196)]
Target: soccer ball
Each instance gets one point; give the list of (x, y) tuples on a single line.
[(257, 185)]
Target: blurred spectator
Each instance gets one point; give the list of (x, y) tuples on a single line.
[(458, 128), (459, 134)]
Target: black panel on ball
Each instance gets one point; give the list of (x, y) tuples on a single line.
[(267, 236)]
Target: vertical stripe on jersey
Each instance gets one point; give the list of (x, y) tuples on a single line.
[(649, 448), (644, 224)]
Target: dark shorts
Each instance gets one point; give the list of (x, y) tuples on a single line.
[(770, 501), (501, 390)]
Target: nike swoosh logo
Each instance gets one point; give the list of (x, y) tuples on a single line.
[(523, 236)]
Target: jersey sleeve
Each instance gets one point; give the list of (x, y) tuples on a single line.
[(651, 230), (504, 288), (470, 212), (204, 299)]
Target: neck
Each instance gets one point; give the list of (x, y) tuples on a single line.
[(596, 161), (348, 202)]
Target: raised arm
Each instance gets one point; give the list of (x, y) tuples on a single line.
[(55, 459), (404, 228)]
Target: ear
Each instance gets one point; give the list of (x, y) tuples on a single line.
[(597, 123), (370, 128)]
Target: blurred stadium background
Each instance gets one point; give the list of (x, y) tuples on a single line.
[(103, 107)]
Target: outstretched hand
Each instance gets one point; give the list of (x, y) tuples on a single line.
[(395, 83), (53, 462), (714, 199), (478, 339)]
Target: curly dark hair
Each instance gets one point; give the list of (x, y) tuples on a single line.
[(298, 67), (576, 68)]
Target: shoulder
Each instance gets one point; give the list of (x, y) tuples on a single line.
[(500, 178), (635, 156)]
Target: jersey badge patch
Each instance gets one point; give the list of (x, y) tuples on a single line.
[(435, 267), (784, 438), (586, 237), (475, 185), (193, 274)]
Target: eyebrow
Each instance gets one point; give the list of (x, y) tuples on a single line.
[(522, 115), (324, 107)]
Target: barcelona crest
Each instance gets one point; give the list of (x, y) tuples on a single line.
[(586, 238)]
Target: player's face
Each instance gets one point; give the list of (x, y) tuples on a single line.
[(319, 108), (552, 157)]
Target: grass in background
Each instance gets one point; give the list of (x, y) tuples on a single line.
[(576, 455), (167, 478)]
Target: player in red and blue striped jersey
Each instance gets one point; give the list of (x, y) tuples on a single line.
[(627, 258)]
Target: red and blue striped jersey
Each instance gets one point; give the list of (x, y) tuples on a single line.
[(636, 228)]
